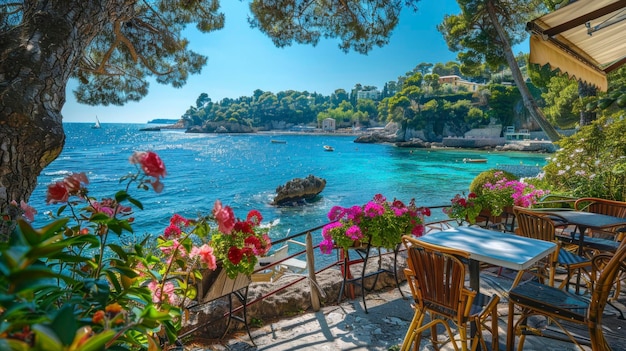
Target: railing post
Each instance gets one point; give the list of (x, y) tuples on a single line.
[(310, 262)]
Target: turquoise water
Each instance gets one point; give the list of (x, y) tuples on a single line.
[(243, 171)]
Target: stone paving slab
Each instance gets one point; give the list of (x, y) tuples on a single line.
[(347, 327)]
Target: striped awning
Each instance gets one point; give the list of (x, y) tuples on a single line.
[(585, 39)]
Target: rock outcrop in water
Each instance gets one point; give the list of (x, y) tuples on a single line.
[(299, 189)]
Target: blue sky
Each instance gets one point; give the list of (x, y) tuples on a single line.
[(242, 59)]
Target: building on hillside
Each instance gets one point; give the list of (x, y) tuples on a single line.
[(457, 81), (328, 125), (368, 94), (510, 135)]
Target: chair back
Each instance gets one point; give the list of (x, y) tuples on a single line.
[(436, 276), (533, 225), (606, 267), (601, 206)]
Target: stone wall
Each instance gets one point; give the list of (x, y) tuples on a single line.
[(209, 321)]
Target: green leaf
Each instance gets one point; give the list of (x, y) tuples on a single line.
[(36, 236), (136, 202), (119, 251), (98, 341), (46, 339), (64, 325), (13, 345), (121, 196)]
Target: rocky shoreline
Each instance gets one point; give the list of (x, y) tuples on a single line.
[(388, 135)]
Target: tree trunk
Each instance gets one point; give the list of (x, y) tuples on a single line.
[(37, 58), (529, 102), (586, 90)]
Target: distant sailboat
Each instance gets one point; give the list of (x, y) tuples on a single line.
[(97, 125)]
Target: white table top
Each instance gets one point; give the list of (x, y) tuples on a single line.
[(489, 246)]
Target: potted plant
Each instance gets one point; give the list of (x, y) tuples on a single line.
[(502, 194), (463, 208), (378, 223)]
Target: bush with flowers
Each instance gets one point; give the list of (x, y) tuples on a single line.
[(69, 286), (506, 193), (464, 209), (379, 223)]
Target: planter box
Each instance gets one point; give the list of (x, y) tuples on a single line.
[(215, 284)]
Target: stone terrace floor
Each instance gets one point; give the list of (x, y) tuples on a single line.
[(347, 327)]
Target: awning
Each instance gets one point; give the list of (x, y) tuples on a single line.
[(585, 39)]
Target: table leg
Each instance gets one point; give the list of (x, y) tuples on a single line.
[(474, 277)]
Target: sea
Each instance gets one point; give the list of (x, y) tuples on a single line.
[(244, 170)]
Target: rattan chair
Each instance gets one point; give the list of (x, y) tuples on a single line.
[(558, 305), (536, 225), (436, 276), (606, 207)]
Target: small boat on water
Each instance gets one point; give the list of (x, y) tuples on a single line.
[(97, 125), (474, 160), (274, 141), (328, 148)]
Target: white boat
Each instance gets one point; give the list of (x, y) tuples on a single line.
[(97, 125), (474, 160), (328, 148)]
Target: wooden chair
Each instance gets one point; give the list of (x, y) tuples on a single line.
[(536, 225), (436, 276), (558, 305), (606, 207)]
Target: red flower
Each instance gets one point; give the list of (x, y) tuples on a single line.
[(73, 182), (472, 196), (57, 192), (150, 162), (244, 227), (235, 255), (255, 217)]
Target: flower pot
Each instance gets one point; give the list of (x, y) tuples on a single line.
[(215, 284)]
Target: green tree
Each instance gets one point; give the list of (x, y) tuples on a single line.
[(502, 102), (114, 47), (485, 31)]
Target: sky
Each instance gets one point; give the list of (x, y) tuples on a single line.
[(242, 59)]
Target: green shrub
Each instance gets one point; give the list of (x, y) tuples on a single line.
[(591, 162), (488, 176)]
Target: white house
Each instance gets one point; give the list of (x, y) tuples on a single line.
[(328, 124)]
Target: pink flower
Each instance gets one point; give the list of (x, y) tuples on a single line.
[(206, 255), (224, 216), (171, 230), (150, 163), (379, 198), (157, 186), (354, 233), (179, 220), (73, 182), (28, 212), (335, 213), (327, 229), (326, 246), (373, 209)]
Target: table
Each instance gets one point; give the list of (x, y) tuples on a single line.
[(483, 245), (586, 220), (489, 246)]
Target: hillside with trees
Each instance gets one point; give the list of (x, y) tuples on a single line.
[(434, 98)]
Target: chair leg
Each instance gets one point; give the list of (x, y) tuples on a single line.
[(411, 335), (510, 329)]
